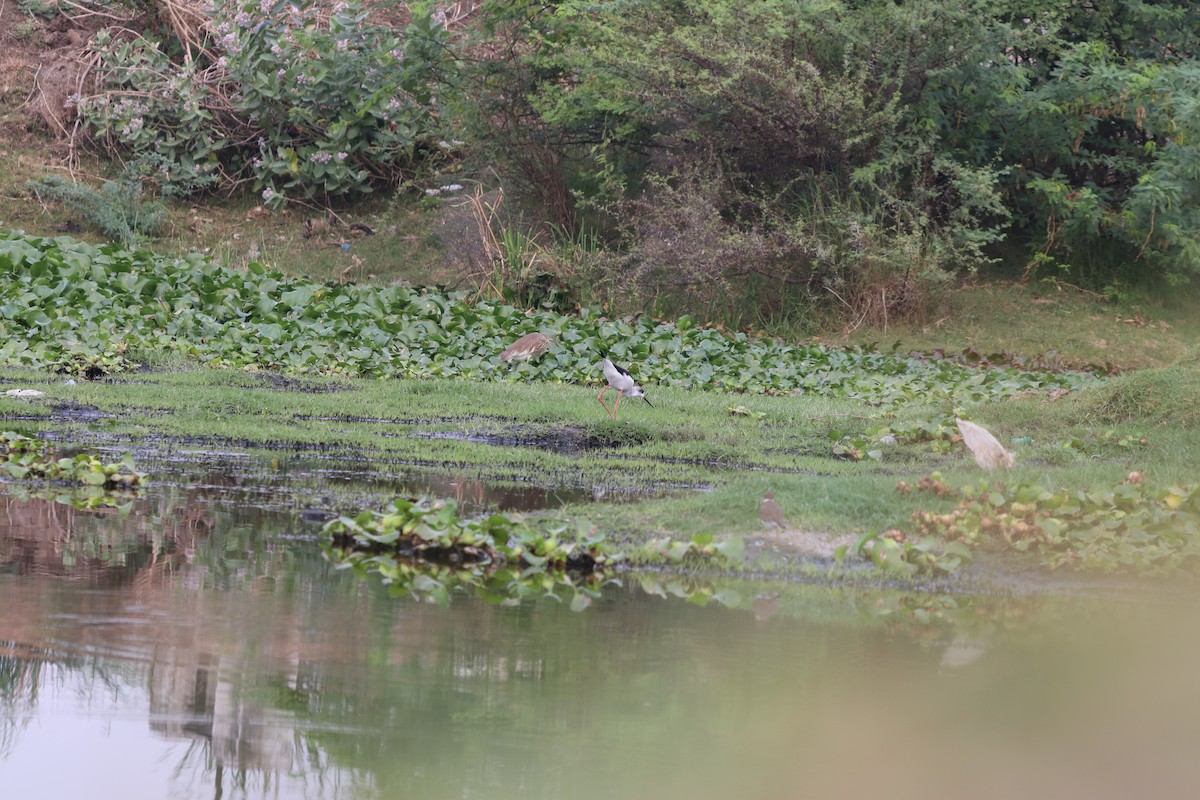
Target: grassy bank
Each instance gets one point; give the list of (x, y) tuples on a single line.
[(703, 467), (396, 382)]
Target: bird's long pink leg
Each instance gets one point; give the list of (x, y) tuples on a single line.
[(601, 402), (614, 411)]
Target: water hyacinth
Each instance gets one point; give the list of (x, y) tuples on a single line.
[(112, 303)]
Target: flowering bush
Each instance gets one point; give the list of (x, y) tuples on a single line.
[(162, 113), (305, 101)]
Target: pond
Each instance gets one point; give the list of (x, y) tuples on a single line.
[(201, 647)]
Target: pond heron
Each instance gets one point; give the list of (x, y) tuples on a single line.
[(527, 347), (988, 452)]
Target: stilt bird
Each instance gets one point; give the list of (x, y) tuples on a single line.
[(619, 379)]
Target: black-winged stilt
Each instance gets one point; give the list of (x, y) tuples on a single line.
[(620, 379), (528, 346)]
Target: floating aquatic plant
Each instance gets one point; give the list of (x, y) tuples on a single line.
[(1129, 527), (893, 551), (425, 549), (77, 308), (25, 457)]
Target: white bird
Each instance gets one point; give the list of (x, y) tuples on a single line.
[(620, 379), (988, 452), (770, 514)]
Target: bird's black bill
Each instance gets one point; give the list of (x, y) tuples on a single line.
[(647, 399)]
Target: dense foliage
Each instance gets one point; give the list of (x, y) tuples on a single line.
[(308, 101), (863, 144), (92, 310), (1125, 528), (1091, 109), (425, 549), (726, 155), (777, 143)]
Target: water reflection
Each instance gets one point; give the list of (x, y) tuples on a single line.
[(332, 480), (53, 539), (197, 650)]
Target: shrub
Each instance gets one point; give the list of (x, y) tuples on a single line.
[(305, 102), (116, 209), (783, 144), (1093, 106), (38, 8), (25, 30)]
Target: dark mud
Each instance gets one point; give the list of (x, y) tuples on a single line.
[(287, 383), (68, 411), (567, 440), (451, 420)]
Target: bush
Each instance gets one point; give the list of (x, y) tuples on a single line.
[(773, 142), (1094, 109), (305, 102), (116, 210)]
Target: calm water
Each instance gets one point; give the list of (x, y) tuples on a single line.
[(197, 650)]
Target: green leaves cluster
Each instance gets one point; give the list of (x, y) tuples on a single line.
[(434, 531), (77, 308), (897, 554), (699, 549), (308, 101), (25, 457), (1124, 528), (164, 116), (425, 549)]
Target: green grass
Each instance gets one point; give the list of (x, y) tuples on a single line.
[(234, 231), (719, 464), (1152, 328)]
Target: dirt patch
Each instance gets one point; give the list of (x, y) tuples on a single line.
[(803, 544), (56, 81), (43, 62)]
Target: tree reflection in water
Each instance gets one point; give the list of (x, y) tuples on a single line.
[(198, 649)]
